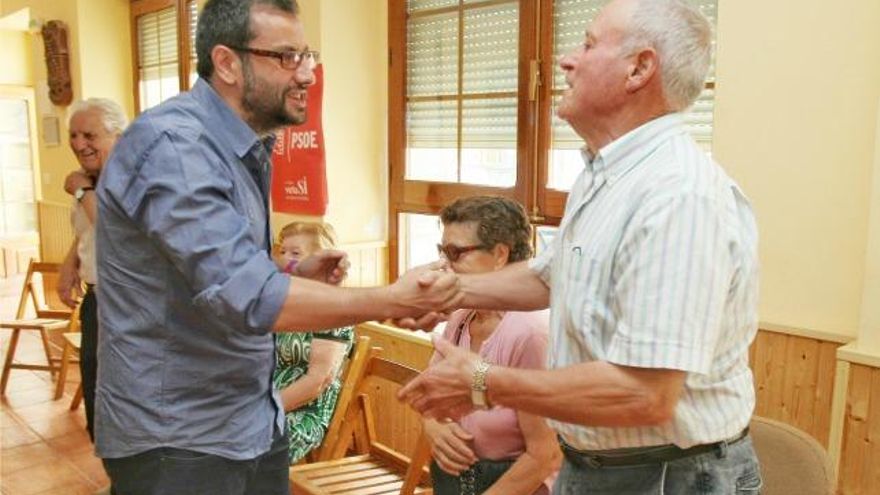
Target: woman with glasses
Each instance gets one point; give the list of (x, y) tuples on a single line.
[(495, 450)]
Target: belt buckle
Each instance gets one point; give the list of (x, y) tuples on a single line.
[(593, 461)]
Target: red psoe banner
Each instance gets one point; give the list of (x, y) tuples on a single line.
[(299, 172)]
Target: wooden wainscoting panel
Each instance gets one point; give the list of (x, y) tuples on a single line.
[(56, 233), (398, 426), (794, 380), (826, 370), (860, 452), (369, 264)]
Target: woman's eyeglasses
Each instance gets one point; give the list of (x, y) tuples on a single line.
[(453, 252)]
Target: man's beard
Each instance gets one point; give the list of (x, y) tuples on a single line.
[(266, 112)]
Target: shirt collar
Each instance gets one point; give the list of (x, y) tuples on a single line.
[(621, 155), (241, 138)]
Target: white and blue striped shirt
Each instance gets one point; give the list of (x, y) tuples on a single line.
[(655, 266)]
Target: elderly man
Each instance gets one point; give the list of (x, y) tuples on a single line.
[(651, 280), (189, 294), (95, 125)]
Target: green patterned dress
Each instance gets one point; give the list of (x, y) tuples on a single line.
[(306, 425)]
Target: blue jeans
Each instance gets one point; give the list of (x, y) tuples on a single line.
[(731, 470), (169, 471)]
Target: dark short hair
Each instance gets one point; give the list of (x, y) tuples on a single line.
[(499, 220), (228, 23)]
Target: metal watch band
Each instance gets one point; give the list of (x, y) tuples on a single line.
[(478, 385)]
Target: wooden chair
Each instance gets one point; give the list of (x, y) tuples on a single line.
[(376, 468), (72, 341), (351, 379), (70, 352), (46, 319)]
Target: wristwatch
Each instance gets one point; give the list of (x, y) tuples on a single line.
[(81, 191), (478, 386)]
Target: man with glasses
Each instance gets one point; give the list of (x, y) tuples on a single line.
[(651, 280), (189, 294)]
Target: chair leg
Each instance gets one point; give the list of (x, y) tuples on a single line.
[(77, 397), (62, 373), (7, 365), (45, 338)]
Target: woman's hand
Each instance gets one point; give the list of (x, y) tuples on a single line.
[(450, 446), (324, 360), (326, 265)]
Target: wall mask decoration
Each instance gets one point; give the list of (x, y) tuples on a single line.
[(57, 62)]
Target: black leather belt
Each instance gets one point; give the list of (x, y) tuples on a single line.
[(648, 455)]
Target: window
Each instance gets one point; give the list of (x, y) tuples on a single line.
[(18, 213), (164, 49), (474, 87), (424, 233)]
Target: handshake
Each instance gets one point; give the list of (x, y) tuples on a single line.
[(419, 299), (425, 295)]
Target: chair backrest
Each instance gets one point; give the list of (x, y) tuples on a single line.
[(351, 379), (359, 425), (39, 289), (792, 462), (56, 231)]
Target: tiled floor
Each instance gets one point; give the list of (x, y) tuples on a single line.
[(44, 447)]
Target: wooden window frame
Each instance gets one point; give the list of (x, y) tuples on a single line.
[(427, 197), (143, 7)]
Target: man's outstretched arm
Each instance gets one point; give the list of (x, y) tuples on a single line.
[(312, 305), (516, 287)]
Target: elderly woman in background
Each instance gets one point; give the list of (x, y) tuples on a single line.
[(95, 124), (497, 450)]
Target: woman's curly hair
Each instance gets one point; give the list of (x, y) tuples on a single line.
[(499, 220)]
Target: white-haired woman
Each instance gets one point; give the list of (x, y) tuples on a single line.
[(94, 126)]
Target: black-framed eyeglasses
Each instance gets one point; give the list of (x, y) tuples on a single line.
[(289, 59), (453, 252)]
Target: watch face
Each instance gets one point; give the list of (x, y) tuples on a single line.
[(79, 193)]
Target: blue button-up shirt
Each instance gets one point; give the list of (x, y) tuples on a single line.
[(188, 293)]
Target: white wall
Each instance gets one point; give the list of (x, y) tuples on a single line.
[(797, 103)]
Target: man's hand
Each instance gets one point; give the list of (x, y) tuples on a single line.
[(76, 180), (450, 445), (444, 389), (327, 265), (69, 286), (426, 322), (424, 290)]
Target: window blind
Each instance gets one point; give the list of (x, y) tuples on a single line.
[(462, 74), (157, 57), (192, 8)]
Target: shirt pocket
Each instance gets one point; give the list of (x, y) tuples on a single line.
[(584, 299), (249, 204)]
